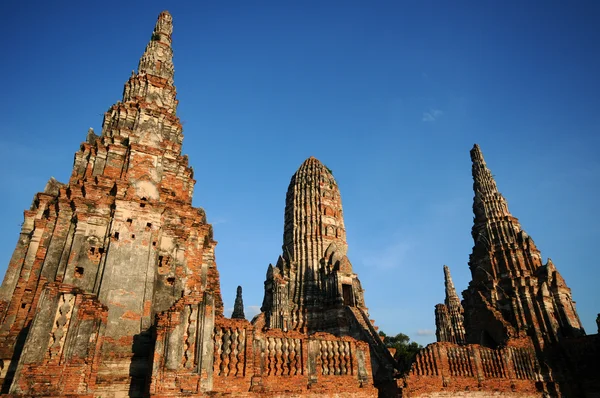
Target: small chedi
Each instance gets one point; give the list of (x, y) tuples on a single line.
[(449, 317), (113, 289)]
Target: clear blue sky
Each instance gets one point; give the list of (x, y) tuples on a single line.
[(390, 95)]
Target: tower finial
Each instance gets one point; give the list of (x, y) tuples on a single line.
[(451, 296), (476, 154), (238, 307), (158, 57), (483, 180), (488, 203)]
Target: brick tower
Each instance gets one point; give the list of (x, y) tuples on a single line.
[(313, 279), (449, 317), (512, 293), (117, 244), (313, 287)]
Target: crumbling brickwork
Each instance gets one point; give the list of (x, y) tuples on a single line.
[(64, 361), (122, 229), (113, 289), (452, 369), (248, 360)]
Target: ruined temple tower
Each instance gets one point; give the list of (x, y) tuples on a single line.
[(100, 256), (449, 317), (113, 291), (313, 275), (512, 293), (313, 288)]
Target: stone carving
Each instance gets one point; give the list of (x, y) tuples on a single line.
[(335, 358), (307, 280), (230, 346), (283, 356), (459, 362), (524, 363), (60, 325), (452, 367)]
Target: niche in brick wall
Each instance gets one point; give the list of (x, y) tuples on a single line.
[(164, 264)]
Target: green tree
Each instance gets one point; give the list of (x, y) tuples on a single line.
[(406, 350)]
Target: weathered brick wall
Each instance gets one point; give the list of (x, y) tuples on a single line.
[(62, 350), (246, 361), (452, 369)]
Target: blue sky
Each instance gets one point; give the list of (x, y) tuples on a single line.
[(389, 95)]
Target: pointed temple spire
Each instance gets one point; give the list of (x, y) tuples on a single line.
[(507, 274), (488, 203), (158, 57), (122, 243), (449, 317), (147, 114), (451, 296), (238, 306)]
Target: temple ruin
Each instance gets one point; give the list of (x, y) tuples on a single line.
[(113, 288)]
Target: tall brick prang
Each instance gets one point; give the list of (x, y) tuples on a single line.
[(313, 288), (122, 232), (313, 274), (512, 293)]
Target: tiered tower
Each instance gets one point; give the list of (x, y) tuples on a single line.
[(313, 287), (449, 317), (512, 293), (120, 237), (313, 275)]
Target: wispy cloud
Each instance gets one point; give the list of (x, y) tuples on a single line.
[(425, 332), (432, 115)]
